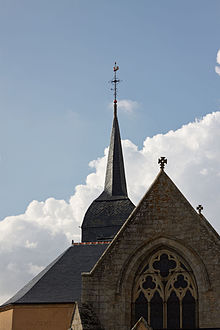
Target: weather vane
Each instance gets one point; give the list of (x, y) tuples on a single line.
[(115, 81)]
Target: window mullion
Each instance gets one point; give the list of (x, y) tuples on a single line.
[(181, 314), (165, 314)]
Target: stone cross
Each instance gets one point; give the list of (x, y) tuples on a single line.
[(199, 208), (162, 161)]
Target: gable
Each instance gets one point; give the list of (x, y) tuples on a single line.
[(141, 325), (163, 212), (163, 219)]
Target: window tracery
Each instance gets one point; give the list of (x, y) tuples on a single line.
[(165, 292)]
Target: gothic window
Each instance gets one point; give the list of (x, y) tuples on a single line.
[(165, 293)]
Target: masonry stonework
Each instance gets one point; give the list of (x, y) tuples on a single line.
[(164, 219)]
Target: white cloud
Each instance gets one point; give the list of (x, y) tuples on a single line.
[(29, 241), (218, 57), (34, 269), (127, 106), (204, 171), (217, 68), (30, 245)]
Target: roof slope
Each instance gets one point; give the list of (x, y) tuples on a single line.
[(60, 282), (103, 219)]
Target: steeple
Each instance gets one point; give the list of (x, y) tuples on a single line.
[(109, 211), (115, 182)]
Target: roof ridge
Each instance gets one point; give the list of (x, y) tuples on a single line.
[(90, 243)]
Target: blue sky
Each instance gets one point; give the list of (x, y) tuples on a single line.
[(56, 59)]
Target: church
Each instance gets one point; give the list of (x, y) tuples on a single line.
[(153, 266)]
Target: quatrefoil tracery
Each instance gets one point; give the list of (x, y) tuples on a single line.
[(165, 273)]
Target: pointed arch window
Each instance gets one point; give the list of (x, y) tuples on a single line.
[(165, 293)]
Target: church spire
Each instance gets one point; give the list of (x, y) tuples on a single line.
[(108, 212), (115, 182)]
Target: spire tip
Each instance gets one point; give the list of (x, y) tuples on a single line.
[(115, 81)]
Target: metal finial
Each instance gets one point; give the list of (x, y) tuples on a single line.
[(115, 81), (199, 208), (162, 161)]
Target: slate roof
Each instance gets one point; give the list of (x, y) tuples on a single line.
[(103, 219), (60, 282), (109, 211), (115, 182)]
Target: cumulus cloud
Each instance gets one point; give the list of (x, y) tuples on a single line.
[(29, 241), (218, 57), (217, 68), (34, 269), (127, 106)]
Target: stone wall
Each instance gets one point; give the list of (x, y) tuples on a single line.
[(85, 319), (163, 219)]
